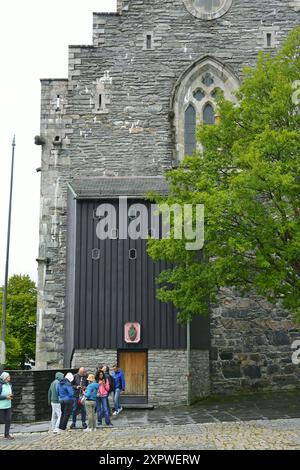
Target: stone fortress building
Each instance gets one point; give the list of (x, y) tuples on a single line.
[(127, 113)]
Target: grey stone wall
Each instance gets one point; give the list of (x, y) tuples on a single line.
[(92, 358), (132, 133), (30, 390), (167, 373), (251, 346), (168, 380), (167, 377), (53, 225), (200, 374)]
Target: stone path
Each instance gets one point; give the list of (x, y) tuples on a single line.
[(261, 406), (279, 434), (262, 421)]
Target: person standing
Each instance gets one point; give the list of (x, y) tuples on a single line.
[(120, 386), (80, 384), (6, 397), (65, 393), (90, 396), (111, 380), (98, 371), (103, 389), (53, 401), (98, 401)]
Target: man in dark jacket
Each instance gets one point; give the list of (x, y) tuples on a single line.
[(65, 393), (80, 384), (53, 401)]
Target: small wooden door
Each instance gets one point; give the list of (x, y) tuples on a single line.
[(134, 366)]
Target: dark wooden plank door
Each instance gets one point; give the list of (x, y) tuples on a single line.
[(134, 366)]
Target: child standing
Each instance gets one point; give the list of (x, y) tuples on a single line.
[(90, 396)]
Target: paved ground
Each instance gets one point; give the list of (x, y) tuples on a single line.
[(259, 422), (278, 434)]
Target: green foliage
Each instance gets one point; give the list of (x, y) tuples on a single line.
[(248, 178), (21, 320)]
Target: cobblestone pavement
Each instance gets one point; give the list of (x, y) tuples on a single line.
[(278, 434), (259, 406), (260, 421)]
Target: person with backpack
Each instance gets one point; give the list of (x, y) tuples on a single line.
[(80, 384), (102, 396), (65, 393), (53, 401), (6, 397), (120, 386)]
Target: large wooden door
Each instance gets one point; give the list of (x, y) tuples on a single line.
[(134, 366)]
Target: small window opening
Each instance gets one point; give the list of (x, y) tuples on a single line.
[(99, 102), (269, 39), (208, 79), (132, 254), (96, 253), (216, 93), (149, 41), (57, 140), (58, 103), (199, 94)]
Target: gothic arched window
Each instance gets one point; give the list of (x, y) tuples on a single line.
[(208, 114), (195, 100), (189, 130)]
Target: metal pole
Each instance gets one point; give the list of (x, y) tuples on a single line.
[(188, 351), (3, 331)]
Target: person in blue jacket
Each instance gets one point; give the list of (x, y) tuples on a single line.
[(65, 393), (120, 386), (90, 396)]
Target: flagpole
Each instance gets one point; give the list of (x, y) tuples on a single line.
[(3, 329)]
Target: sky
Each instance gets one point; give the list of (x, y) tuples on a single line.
[(34, 39)]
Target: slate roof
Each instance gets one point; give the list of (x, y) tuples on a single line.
[(106, 187)]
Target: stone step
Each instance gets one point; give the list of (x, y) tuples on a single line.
[(138, 406)]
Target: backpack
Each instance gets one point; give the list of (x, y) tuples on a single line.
[(112, 384)]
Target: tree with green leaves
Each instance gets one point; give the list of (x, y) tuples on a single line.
[(21, 320), (248, 178)]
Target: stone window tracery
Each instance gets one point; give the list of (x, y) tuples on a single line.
[(195, 101)]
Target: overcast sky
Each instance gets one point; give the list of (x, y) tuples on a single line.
[(34, 39)]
